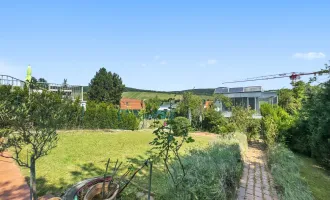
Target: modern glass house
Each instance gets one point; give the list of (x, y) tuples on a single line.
[(251, 97)]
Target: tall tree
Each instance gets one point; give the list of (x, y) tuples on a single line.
[(190, 107), (106, 87)]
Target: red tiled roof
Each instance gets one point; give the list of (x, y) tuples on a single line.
[(131, 104), (208, 104)]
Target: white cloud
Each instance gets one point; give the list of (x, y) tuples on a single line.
[(309, 55), (156, 57), (163, 62), (143, 65), (212, 62)]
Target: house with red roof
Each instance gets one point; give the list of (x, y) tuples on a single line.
[(131, 104)]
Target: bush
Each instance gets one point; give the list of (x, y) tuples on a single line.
[(214, 122), (180, 126), (106, 116), (276, 123), (212, 173), (128, 121), (253, 129), (285, 170)]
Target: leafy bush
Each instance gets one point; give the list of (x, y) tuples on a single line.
[(253, 129), (243, 121), (313, 125), (128, 121), (214, 122), (285, 170), (276, 123), (107, 116), (180, 126), (217, 179)]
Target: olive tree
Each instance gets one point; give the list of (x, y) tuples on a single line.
[(31, 130)]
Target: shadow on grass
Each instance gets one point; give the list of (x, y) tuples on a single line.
[(84, 171)]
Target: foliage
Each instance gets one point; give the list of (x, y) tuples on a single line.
[(152, 106), (225, 100), (242, 120), (285, 170), (168, 142), (291, 99), (73, 114), (32, 127), (191, 108), (128, 121), (214, 122), (212, 173), (313, 125), (106, 116), (275, 122), (180, 126), (106, 87)]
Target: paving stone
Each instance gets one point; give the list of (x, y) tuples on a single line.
[(249, 191), (257, 191), (249, 197), (241, 192), (266, 192)]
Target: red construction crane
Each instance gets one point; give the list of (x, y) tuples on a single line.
[(293, 76)]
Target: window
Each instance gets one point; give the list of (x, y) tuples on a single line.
[(252, 103)]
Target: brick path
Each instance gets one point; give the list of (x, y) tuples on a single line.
[(256, 182), (12, 183)]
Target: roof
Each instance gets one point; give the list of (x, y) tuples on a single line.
[(225, 90), (208, 104), (131, 104), (166, 106)]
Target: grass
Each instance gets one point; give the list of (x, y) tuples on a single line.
[(285, 169), (83, 154), (163, 96), (316, 177)]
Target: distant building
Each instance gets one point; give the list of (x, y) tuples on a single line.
[(251, 97), (131, 104)]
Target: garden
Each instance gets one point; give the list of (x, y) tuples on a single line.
[(57, 143)]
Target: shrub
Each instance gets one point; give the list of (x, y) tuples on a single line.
[(253, 129), (128, 121), (217, 179), (214, 122), (285, 170), (180, 126), (276, 123)]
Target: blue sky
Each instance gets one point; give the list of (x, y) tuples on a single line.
[(167, 45)]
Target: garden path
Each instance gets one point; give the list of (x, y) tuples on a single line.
[(12, 183), (256, 182)]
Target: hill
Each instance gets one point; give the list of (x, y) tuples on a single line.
[(206, 91), (161, 95), (135, 93)]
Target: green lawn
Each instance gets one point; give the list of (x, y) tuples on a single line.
[(83, 154), (317, 177)]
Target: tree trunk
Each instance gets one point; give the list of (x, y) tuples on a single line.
[(33, 185)]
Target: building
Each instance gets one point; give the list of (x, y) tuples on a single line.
[(131, 104), (249, 97), (165, 109)]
